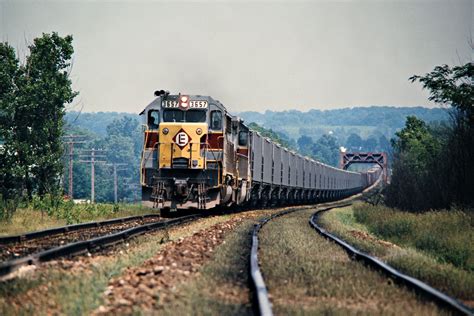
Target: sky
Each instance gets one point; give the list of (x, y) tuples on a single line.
[(258, 56)]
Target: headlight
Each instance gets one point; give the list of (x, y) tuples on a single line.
[(165, 131), (199, 131)]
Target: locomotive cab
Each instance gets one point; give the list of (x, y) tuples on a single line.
[(184, 163)]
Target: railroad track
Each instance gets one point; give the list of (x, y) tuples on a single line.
[(4, 240), (41, 242), (440, 298), (89, 244), (262, 301), (261, 297)]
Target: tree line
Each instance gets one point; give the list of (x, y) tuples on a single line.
[(433, 163)]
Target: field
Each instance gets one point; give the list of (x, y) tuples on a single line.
[(436, 247)]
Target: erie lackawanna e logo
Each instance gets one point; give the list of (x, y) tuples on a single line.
[(181, 139)]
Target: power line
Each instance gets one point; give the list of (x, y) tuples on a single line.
[(115, 165), (71, 140)]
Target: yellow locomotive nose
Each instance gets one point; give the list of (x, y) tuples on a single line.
[(182, 145)]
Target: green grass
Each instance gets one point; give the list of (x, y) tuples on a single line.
[(446, 235), (33, 218), (402, 249), (307, 275)]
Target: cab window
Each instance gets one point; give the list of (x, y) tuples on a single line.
[(243, 138), (178, 116), (216, 120), (195, 116), (175, 116), (153, 119)]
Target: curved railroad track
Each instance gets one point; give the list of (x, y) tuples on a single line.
[(439, 297), (263, 305), (261, 298), (91, 241)]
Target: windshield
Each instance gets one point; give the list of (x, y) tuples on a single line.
[(196, 116), (191, 116)]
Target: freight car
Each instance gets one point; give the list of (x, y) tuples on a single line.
[(198, 155)]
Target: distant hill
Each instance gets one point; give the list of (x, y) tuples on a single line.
[(95, 122), (364, 121)]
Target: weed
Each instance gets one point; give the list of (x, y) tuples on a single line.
[(27, 218), (446, 235), (430, 249)]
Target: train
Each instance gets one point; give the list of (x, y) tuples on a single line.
[(196, 155)]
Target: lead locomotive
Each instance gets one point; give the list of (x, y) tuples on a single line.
[(197, 155)]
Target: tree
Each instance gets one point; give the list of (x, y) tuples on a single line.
[(32, 100), (326, 150), (371, 143), (10, 170), (304, 144), (384, 144), (279, 138), (354, 142), (432, 165), (412, 186), (47, 90), (454, 87)]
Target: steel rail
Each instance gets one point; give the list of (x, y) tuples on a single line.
[(423, 288), (70, 228), (256, 277), (88, 245)]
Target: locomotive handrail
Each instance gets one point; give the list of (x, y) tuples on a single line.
[(143, 156)]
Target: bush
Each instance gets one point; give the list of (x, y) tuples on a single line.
[(7, 208)]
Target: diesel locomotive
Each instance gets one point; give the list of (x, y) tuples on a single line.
[(196, 155)]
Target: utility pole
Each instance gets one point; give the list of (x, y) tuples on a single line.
[(92, 156), (115, 165), (71, 140)]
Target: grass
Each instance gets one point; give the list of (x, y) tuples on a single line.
[(401, 239), (306, 274), (28, 219), (446, 235)]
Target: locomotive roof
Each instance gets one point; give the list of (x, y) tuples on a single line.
[(156, 103)]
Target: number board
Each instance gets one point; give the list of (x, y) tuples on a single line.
[(193, 104)]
